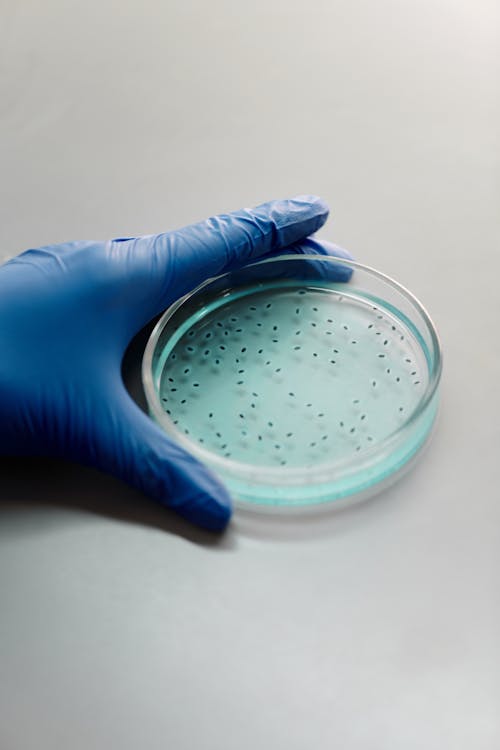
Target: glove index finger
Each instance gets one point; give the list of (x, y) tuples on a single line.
[(174, 262), (221, 242)]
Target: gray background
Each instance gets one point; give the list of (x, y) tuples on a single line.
[(120, 627)]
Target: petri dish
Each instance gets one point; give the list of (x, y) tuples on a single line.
[(302, 381)]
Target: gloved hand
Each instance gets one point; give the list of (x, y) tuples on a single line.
[(67, 314)]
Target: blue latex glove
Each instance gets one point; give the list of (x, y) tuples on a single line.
[(67, 314)]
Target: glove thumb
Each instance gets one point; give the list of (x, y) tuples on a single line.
[(133, 448)]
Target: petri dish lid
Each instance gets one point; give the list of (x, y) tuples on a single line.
[(302, 381)]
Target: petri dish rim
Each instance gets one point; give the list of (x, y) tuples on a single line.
[(290, 476)]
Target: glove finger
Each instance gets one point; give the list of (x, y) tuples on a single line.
[(133, 448), (165, 266), (311, 270)]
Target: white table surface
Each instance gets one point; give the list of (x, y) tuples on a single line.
[(121, 627)]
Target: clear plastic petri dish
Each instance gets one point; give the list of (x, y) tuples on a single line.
[(301, 381)]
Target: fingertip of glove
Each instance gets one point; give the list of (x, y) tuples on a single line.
[(309, 206), (312, 200), (296, 218), (205, 511)]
